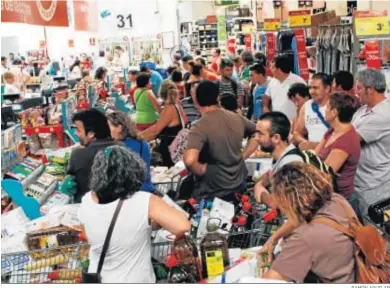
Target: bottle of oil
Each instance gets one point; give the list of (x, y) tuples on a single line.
[(214, 252)]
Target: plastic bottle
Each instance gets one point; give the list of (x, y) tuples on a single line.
[(214, 252)]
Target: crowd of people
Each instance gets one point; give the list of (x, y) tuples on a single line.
[(342, 118)]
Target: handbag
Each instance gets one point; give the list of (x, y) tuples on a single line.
[(179, 144), (96, 277)]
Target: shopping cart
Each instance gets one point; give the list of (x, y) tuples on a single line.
[(244, 240), (60, 265), (171, 188)]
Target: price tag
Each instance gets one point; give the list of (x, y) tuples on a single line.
[(299, 18), (369, 23), (271, 24)]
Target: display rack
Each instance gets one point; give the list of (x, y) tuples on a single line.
[(55, 129), (150, 44)]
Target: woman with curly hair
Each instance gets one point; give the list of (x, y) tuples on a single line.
[(124, 129), (313, 250), (117, 175)]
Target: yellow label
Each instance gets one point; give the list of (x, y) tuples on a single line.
[(248, 28), (214, 262), (271, 24), (299, 19), (367, 26)]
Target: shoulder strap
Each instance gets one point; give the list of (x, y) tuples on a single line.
[(141, 146), (316, 109), (180, 116), (332, 223), (136, 100), (108, 236)]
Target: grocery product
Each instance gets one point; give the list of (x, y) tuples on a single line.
[(65, 274), (53, 238), (45, 262), (60, 160), (186, 250), (214, 252)]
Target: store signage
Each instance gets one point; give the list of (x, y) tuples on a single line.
[(226, 2), (42, 44), (222, 35), (271, 46), (124, 21), (70, 43), (248, 41), (211, 19), (86, 15), (38, 12), (372, 55), (371, 23), (299, 18), (231, 46), (248, 28), (271, 24), (302, 54), (92, 41)]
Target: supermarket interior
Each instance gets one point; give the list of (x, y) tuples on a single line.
[(247, 141)]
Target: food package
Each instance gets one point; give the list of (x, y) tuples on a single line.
[(65, 274), (56, 199), (46, 140), (34, 143), (13, 222), (224, 211), (15, 243), (45, 262), (54, 115), (32, 277)]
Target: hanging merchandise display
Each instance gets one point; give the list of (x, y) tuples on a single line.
[(285, 45), (142, 46), (334, 48)]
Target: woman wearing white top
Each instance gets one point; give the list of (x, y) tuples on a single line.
[(75, 70), (117, 173)]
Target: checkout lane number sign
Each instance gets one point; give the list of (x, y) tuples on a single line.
[(124, 21)]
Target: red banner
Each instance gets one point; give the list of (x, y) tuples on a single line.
[(85, 15), (248, 41), (231, 46), (271, 46), (44, 12), (372, 55), (302, 54)]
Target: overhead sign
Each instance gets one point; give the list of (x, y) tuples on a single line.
[(222, 35), (124, 21), (372, 55), (299, 18), (271, 24), (86, 15), (38, 12), (248, 28), (371, 23)]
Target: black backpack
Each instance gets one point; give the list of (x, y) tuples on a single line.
[(310, 157)]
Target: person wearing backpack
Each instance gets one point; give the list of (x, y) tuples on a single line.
[(329, 244), (312, 126), (313, 250), (227, 85)]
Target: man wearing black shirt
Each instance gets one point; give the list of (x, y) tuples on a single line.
[(94, 133)]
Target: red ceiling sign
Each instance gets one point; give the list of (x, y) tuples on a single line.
[(38, 12), (85, 15)]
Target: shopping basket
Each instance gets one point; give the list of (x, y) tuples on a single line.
[(60, 265)]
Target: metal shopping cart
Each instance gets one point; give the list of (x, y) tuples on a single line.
[(171, 188), (60, 265)]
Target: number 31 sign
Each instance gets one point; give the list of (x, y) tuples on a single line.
[(124, 21)]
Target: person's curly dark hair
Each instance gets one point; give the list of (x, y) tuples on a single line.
[(117, 173), (301, 190), (100, 72)]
